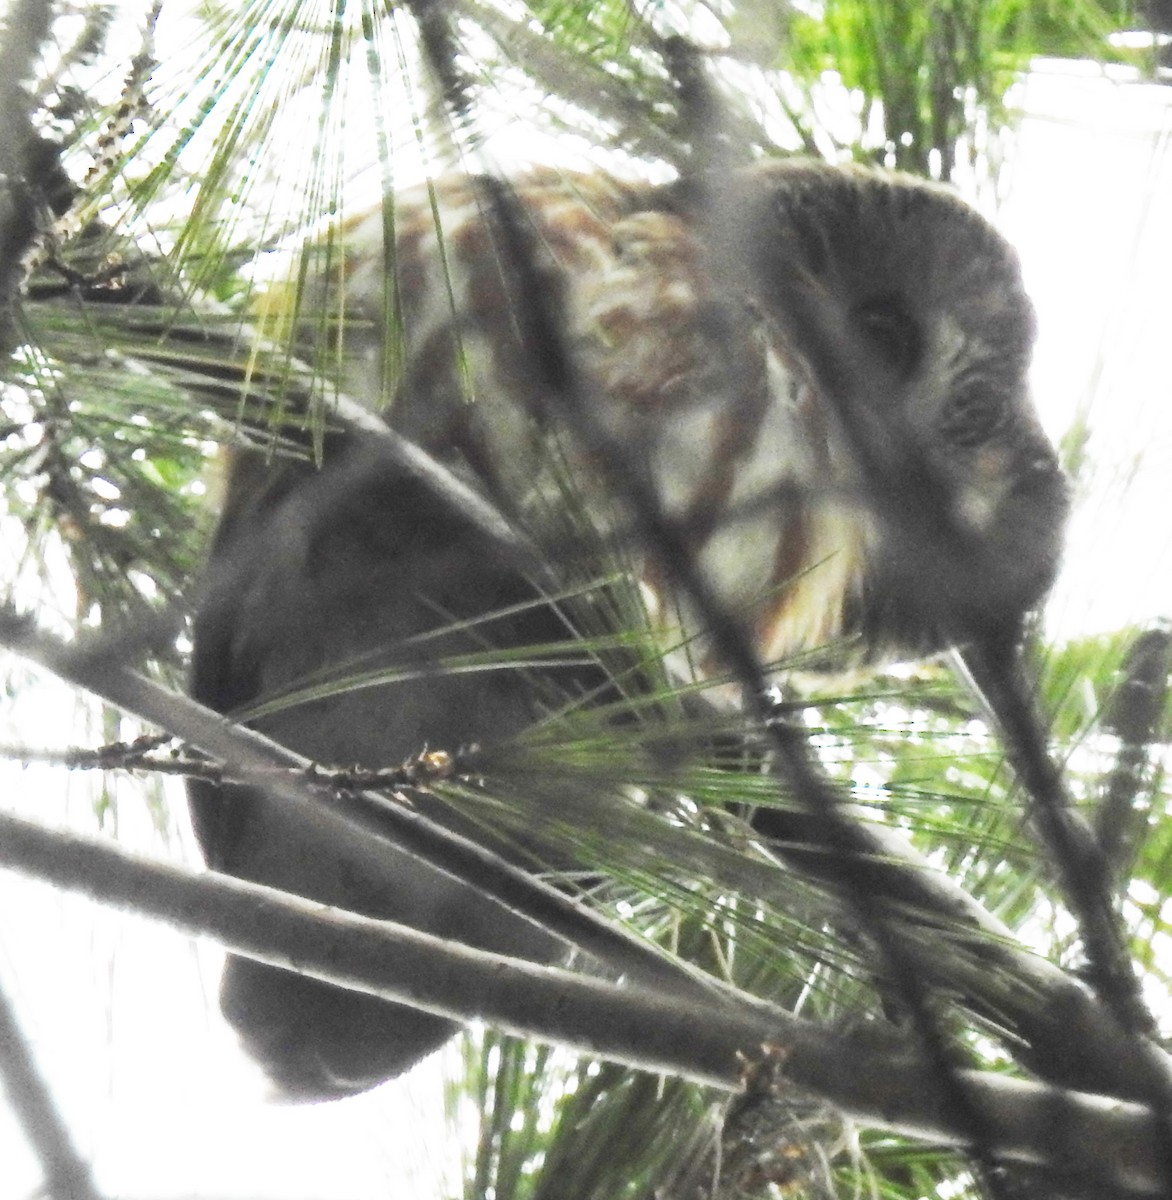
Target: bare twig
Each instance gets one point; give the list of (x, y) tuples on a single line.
[(420, 771), (1133, 717), (203, 372)]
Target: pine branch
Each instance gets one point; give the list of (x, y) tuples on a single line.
[(1068, 1036), (255, 759), (1118, 1143)]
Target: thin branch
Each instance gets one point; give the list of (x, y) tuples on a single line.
[(1075, 851), (703, 114), (420, 771), (1133, 717), (1117, 1142), (909, 496), (67, 1174), (29, 169)]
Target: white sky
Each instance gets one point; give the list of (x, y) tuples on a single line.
[(118, 1009), (1090, 210)]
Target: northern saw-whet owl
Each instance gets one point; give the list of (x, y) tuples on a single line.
[(688, 314)]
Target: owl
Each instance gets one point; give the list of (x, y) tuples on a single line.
[(819, 370)]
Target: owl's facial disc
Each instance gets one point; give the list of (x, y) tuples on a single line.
[(905, 310), (966, 489)]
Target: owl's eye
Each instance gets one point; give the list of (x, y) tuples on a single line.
[(972, 416), (890, 331)]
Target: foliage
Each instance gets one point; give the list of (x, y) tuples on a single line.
[(140, 345)]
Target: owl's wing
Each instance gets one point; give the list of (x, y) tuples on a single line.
[(332, 573)]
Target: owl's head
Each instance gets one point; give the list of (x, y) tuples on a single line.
[(902, 337)]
